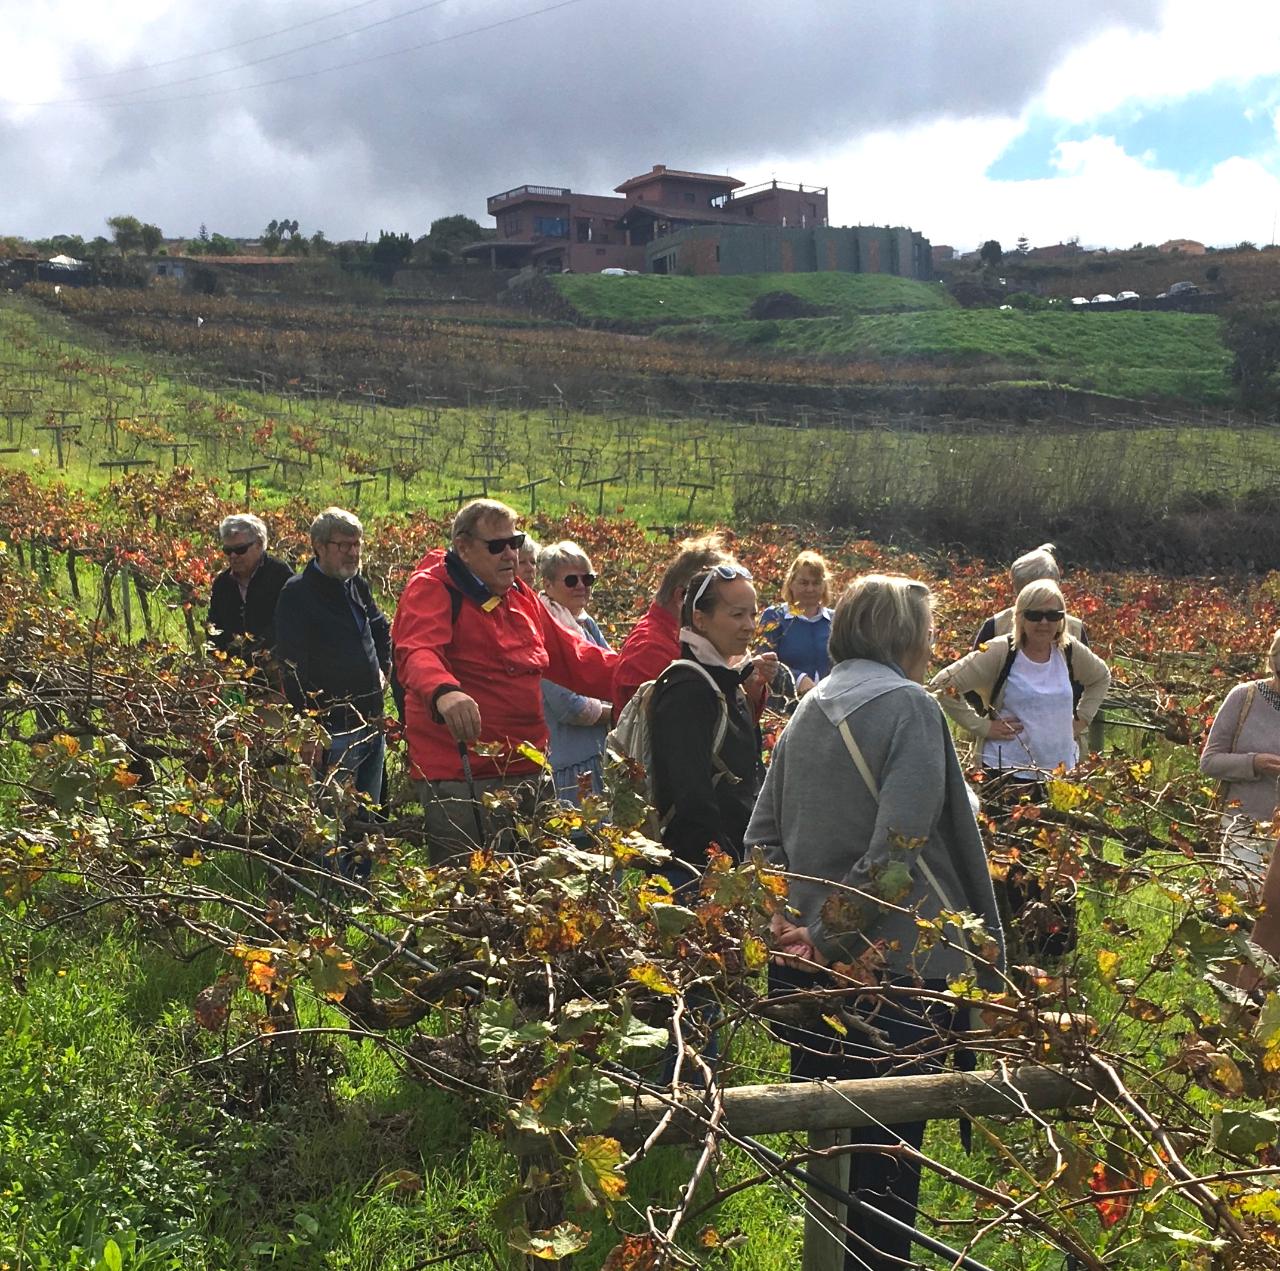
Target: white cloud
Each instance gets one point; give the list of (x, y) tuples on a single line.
[(934, 179), (1195, 47)]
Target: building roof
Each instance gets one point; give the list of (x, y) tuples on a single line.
[(694, 216), (661, 172)]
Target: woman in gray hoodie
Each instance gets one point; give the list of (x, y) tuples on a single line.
[(866, 807)]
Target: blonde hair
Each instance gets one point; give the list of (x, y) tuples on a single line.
[(815, 563), (881, 617), (1272, 664), (1044, 593)]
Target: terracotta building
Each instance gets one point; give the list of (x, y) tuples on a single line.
[(668, 220)]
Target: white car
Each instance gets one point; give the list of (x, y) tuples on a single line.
[(1079, 300), (1127, 295), (1103, 299)]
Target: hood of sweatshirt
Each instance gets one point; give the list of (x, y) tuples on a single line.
[(854, 683)]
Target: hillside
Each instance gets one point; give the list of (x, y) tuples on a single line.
[(1234, 275), (650, 298), (1130, 354)]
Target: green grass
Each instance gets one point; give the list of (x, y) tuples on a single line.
[(1129, 354), (649, 298)]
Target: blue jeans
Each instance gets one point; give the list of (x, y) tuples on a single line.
[(359, 754)]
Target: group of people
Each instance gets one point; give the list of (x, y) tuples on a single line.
[(496, 658)]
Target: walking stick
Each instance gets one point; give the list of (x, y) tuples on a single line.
[(471, 789)]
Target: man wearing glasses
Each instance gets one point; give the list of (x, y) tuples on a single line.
[(242, 602), (472, 644), (334, 647)]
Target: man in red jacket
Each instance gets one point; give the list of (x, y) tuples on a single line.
[(472, 643), (654, 642)]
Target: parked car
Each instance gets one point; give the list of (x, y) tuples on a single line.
[(1079, 300), (1184, 289), (1127, 295), (1102, 298)]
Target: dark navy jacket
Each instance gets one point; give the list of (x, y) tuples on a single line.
[(333, 643), (250, 624)]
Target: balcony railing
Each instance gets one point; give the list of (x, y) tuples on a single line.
[(527, 192), (724, 201)]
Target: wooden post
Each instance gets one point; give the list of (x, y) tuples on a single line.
[(824, 1218), (126, 603)]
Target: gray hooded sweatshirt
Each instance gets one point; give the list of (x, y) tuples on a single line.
[(918, 847)]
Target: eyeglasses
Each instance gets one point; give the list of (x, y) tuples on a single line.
[(725, 573), (240, 551), (346, 544), (1044, 615), (571, 580), (497, 546)]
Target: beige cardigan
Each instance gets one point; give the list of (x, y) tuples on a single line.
[(977, 672)]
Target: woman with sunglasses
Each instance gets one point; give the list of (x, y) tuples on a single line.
[(705, 792), (1029, 695), (577, 725)]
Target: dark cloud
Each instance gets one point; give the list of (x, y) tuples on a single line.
[(583, 96)]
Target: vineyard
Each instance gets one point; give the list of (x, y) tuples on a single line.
[(217, 1050), (1175, 491)]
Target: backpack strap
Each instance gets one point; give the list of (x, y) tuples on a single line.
[(722, 770), (864, 770), (1001, 679)]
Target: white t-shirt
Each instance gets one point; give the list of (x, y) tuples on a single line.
[(1038, 694)]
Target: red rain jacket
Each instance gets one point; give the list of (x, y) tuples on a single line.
[(497, 656)]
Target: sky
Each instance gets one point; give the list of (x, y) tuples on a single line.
[(1110, 121)]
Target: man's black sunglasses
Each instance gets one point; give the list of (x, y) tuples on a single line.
[(239, 551), (588, 580), (497, 545), (1044, 615)]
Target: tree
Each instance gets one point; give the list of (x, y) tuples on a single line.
[(1023, 245), (1252, 333), (991, 253), (390, 252), (447, 237), (151, 237), (271, 236), (320, 246), (127, 232)]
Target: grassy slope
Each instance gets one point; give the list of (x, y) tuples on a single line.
[(650, 297), (1131, 353)]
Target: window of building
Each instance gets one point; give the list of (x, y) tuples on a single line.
[(510, 225), (584, 230), (813, 210), (551, 226), (717, 253)]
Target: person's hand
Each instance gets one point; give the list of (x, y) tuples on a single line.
[(461, 715), (1003, 729), (764, 667), (804, 684), (792, 945), (1266, 765), (382, 679), (1079, 727)]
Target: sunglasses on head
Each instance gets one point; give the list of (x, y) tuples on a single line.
[(588, 580), (725, 573), (239, 551), (496, 546), (1044, 615)]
